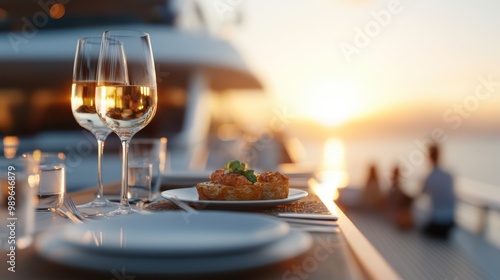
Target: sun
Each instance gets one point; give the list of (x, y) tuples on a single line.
[(329, 102)]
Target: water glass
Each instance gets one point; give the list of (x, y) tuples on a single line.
[(52, 185), (150, 151), (139, 179), (18, 180)]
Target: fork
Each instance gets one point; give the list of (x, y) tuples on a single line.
[(70, 205), (66, 214)]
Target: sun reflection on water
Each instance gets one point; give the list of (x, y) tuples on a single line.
[(333, 174)]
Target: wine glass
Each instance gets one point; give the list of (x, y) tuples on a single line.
[(84, 111), (126, 97)]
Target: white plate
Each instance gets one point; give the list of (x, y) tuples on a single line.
[(176, 233), (190, 195), (51, 247)]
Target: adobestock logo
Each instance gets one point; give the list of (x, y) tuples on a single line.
[(249, 150), (226, 9), (122, 275), (454, 116), (460, 111), (31, 26), (76, 154), (363, 37), (303, 270)]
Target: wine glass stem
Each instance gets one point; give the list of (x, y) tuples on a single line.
[(124, 200), (100, 150)]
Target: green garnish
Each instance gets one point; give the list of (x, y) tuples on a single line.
[(235, 166)]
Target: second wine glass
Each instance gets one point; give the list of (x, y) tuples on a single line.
[(126, 96), (84, 111)]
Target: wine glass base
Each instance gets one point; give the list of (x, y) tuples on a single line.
[(122, 210), (98, 207)]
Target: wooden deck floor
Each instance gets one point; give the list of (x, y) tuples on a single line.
[(414, 256)]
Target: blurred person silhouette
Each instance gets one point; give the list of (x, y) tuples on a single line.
[(399, 203), (371, 197), (439, 187)]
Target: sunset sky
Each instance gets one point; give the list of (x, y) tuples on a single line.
[(336, 60)]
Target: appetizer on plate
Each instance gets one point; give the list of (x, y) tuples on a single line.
[(236, 182), (276, 185)]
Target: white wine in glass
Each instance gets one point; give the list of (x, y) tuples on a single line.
[(126, 96), (83, 97), (128, 108), (84, 111)]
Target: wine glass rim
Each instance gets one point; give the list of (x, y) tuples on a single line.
[(125, 33)]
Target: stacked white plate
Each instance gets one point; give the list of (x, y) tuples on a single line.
[(175, 243)]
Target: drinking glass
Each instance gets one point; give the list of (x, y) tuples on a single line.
[(140, 176), (150, 151), (18, 180), (126, 92), (51, 187), (84, 111)]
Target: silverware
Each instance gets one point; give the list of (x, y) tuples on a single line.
[(66, 214), (182, 205), (70, 205), (310, 222), (174, 199)]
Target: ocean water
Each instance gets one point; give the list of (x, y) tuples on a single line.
[(473, 157), (473, 160)]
